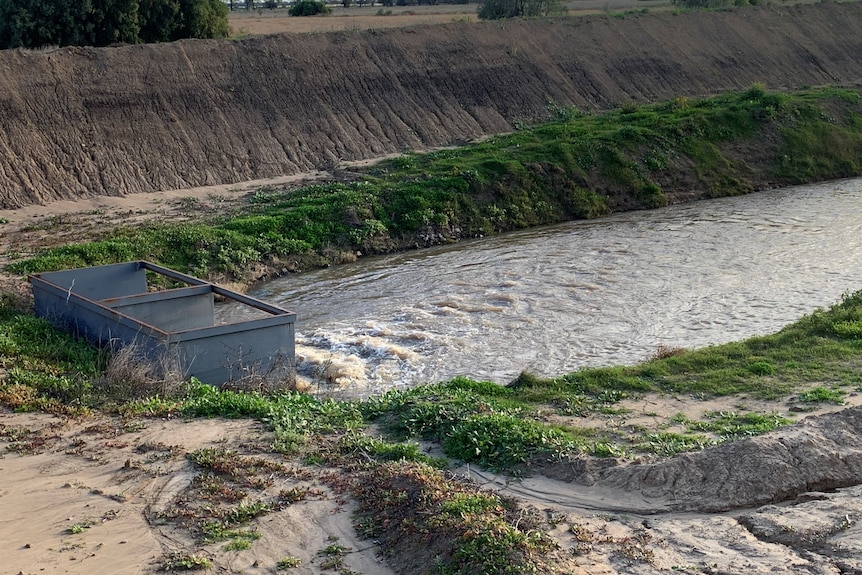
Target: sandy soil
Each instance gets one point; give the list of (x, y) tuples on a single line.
[(91, 497), (113, 482)]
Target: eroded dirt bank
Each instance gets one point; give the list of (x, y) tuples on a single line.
[(784, 502), (113, 121), (819, 454)]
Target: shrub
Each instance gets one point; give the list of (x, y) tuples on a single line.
[(501, 9), (709, 4), (500, 442), (761, 368), (309, 8)]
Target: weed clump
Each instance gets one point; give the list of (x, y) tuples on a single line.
[(132, 373), (821, 394), (185, 562), (288, 563), (425, 512)]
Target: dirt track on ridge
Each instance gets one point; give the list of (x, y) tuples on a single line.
[(81, 122)]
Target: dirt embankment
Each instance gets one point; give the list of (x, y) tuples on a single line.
[(784, 502), (82, 122), (819, 454)]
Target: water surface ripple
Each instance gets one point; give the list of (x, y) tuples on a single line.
[(588, 293)]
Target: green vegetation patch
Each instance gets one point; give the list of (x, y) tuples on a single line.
[(499, 442), (821, 394), (816, 348), (467, 530), (45, 369), (573, 167), (293, 416), (512, 427), (476, 422), (731, 425)]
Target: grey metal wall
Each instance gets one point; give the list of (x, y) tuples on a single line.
[(111, 305)]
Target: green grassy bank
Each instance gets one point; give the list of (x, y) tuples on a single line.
[(816, 359), (578, 166)]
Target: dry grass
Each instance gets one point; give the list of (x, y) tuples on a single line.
[(279, 376), (665, 351), (132, 373)]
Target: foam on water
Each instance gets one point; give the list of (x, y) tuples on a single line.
[(357, 359)]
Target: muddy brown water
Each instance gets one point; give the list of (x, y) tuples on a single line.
[(582, 294)]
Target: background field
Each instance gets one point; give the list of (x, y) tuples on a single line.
[(261, 22)]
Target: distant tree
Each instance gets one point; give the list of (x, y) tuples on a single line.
[(202, 19), (36, 23), (500, 9), (158, 19), (113, 21), (309, 8)]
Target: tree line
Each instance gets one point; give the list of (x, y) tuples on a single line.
[(37, 23)]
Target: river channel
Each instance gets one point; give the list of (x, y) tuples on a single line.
[(590, 293)]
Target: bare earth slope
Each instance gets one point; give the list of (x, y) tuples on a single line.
[(113, 121)]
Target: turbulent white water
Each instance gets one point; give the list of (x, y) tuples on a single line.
[(590, 293)]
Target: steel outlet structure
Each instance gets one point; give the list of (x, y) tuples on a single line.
[(114, 305)]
